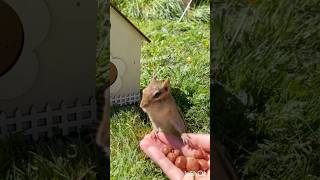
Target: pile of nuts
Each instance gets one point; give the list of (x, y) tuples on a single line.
[(196, 163)]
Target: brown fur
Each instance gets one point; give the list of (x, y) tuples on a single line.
[(162, 109)]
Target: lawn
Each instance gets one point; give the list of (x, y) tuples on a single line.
[(179, 51), (266, 94)]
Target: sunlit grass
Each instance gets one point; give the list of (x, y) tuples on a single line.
[(179, 51), (267, 57)]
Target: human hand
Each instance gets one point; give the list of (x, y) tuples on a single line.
[(152, 148)]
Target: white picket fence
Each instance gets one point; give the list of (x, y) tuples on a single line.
[(62, 120), (125, 100)]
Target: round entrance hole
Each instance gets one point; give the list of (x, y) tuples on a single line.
[(11, 38), (113, 73)]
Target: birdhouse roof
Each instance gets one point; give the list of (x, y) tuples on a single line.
[(138, 30)]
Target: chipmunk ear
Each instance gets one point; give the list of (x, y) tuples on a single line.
[(166, 85)]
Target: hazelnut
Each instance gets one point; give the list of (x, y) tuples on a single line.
[(166, 149), (192, 164), (203, 164), (198, 154), (177, 152), (171, 156), (206, 155), (181, 162)]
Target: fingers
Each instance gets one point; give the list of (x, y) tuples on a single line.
[(196, 140), (200, 141), (160, 159), (153, 150), (168, 167), (148, 140)]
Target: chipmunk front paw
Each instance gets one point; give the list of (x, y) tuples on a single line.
[(185, 138), (154, 134)]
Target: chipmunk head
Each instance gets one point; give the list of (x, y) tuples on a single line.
[(154, 92)]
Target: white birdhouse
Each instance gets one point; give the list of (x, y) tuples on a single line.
[(47, 66), (125, 53)]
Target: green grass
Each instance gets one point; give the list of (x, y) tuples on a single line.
[(102, 53), (127, 160), (266, 61), (50, 159), (179, 51)]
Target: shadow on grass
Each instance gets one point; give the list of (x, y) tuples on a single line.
[(72, 157), (181, 98), (231, 123)]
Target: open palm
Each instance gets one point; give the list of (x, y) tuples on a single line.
[(152, 148)]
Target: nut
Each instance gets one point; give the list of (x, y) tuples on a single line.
[(206, 155), (181, 162), (166, 149), (192, 164), (203, 164), (177, 152), (172, 157), (198, 154)]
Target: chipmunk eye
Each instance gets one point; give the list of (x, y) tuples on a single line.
[(157, 94)]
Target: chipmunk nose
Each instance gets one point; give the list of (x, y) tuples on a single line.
[(143, 104)]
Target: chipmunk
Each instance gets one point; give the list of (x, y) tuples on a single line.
[(162, 110)]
